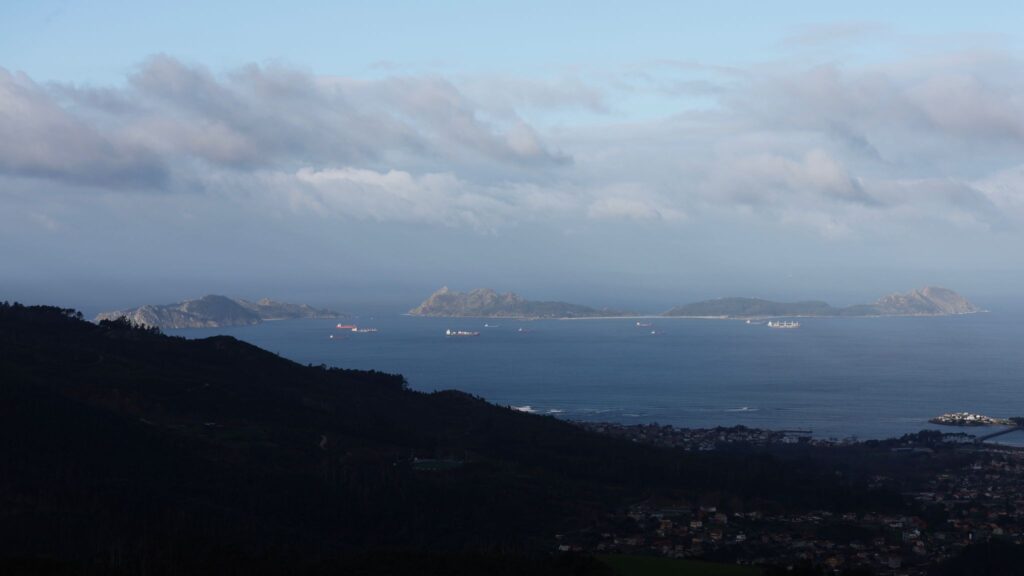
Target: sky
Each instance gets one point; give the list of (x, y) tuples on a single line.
[(640, 154)]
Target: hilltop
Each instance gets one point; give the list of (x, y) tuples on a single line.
[(213, 311), (486, 303), (929, 301)]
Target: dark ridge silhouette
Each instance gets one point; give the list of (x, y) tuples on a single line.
[(129, 451)]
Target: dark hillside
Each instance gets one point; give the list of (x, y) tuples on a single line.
[(134, 450)]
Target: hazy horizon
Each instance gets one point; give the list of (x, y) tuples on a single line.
[(399, 300)]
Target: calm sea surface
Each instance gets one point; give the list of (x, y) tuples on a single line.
[(839, 377)]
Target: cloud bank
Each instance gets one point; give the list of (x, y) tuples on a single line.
[(839, 150)]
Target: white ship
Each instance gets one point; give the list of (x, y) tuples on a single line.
[(451, 332), (783, 324)]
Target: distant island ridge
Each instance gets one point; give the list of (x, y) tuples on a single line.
[(487, 303), (214, 311), (928, 301)]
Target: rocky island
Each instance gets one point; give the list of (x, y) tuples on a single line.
[(929, 301), (486, 303), (213, 311)]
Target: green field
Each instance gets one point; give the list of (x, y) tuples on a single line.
[(654, 566)]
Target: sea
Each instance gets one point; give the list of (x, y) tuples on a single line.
[(839, 378)]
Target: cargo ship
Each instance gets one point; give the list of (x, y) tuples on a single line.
[(783, 324), (457, 333)]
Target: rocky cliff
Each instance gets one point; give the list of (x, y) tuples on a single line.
[(929, 301)]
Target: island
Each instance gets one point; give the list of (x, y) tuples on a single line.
[(969, 419), (929, 301), (486, 303), (213, 311)]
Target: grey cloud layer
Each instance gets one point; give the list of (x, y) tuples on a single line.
[(836, 147), (839, 150), (41, 138), (251, 118)]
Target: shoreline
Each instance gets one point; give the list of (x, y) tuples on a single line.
[(712, 438), (662, 317)]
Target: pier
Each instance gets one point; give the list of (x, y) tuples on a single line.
[(981, 439)]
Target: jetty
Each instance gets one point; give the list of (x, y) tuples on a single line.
[(1013, 428)]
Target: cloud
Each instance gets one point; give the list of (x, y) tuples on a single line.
[(39, 138), (962, 104), (1005, 190), (919, 111), (397, 196), (770, 178), (839, 150), (843, 150), (618, 208), (256, 117)]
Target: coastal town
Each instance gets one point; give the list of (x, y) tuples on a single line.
[(952, 492), (701, 439)]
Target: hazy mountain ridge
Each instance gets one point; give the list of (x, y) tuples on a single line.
[(214, 311), (928, 301), (752, 307), (486, 303)]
